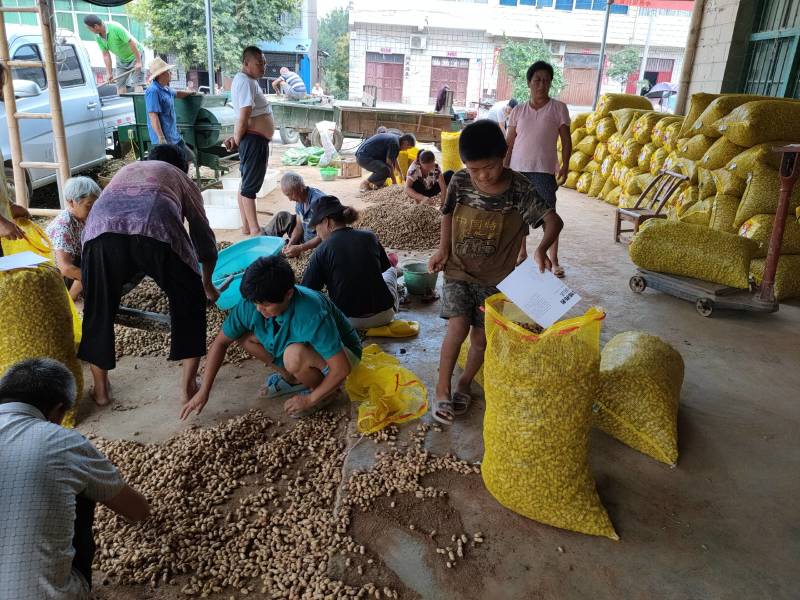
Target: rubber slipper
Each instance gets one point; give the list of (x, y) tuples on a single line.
[(440, 409), (461, 403), (558, 272), (326, 401), (276, 386)]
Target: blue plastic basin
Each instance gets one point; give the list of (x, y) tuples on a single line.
[(235, 259)]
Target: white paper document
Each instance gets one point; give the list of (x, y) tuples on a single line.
[(541, 296), (21, 260)]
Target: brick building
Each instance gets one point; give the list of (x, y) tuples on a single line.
[(410, 51)]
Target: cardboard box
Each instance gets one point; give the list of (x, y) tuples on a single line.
[(350, 169)]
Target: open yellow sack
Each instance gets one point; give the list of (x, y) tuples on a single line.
[(723, 212), (386, 392), (695, 251), (787, 277), (539, 392), (36, 320), (640, 386), (759, 229)]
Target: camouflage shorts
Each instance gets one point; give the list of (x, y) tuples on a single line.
[(463, 299)]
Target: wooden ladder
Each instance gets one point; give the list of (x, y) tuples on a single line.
[(44, 10)]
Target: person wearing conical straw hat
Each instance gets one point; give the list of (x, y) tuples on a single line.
[(159, 99)]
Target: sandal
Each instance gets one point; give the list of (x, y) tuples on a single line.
[(275, 386), (442, 411), (558, 272), (461, 402)]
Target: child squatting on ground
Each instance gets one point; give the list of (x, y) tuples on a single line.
[(298, 332), (487, 212)]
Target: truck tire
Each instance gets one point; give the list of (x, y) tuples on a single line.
[(338, 138), (289, 135)]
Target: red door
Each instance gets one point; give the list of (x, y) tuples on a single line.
[(385, 71), (505, 85), (452, 72)]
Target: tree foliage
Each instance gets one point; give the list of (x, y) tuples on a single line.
[(623, 63), (178, 27), (334, 38), (518, 56)]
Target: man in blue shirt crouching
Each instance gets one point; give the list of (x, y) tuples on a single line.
[(298, 332)]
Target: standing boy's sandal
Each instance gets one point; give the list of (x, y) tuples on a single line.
[(558, 272), (326, 401), (442, 411), (461, 403), (275, 386)]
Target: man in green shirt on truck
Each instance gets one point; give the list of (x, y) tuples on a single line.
[(114, 39)]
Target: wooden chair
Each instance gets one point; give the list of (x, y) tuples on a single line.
[(665, 184)]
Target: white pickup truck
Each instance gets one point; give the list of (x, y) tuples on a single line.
[(92, 115)]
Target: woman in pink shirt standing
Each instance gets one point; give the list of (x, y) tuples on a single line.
[(533, 131)]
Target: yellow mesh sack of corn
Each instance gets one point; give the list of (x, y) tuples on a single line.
[(607, 187), (695, 147), (729, 184), (721, 152), (693, 251), (624, 118), (591, 122), (591, 166), (759, 229), (539, 392), (583, 183), (669, 162), (723, 212), (627, 200), (643, 128), (787, 277), (761, 195), (705, 183), (600, 152), (657, 160), (671, 136), (36, 320), (762, 121), (577, 135), (572, 179), (640, 388), (698, 213), (697, 104), (615, 144), (451, 158), (686, 167), (645, 156), (630, 153), (613, 196), (616, 172), (720, 107), (605, 129), (587, 145), (578, 121), (636, 182), (659, 135), (686, 198), (611, 102), (598, 181), (578, 161), (755, 158), (606, 166)]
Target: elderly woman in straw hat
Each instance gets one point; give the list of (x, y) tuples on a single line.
[(159, 101), (66, 230)]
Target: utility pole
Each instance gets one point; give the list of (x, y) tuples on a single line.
[(602, 54), (210, 48)]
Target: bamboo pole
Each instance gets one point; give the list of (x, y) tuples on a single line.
[(46, 19), (10, 101)]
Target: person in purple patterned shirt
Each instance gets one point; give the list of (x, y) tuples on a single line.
[(136, 226)]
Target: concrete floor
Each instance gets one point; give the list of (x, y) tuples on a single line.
[(723, 524)]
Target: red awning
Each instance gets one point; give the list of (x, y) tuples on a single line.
[(667, 4)]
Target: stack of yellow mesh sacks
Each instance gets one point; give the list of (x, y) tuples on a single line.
[(590, 162), (725, 149)]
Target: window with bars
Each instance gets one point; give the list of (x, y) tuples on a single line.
[(771, 64), (619, 9)]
